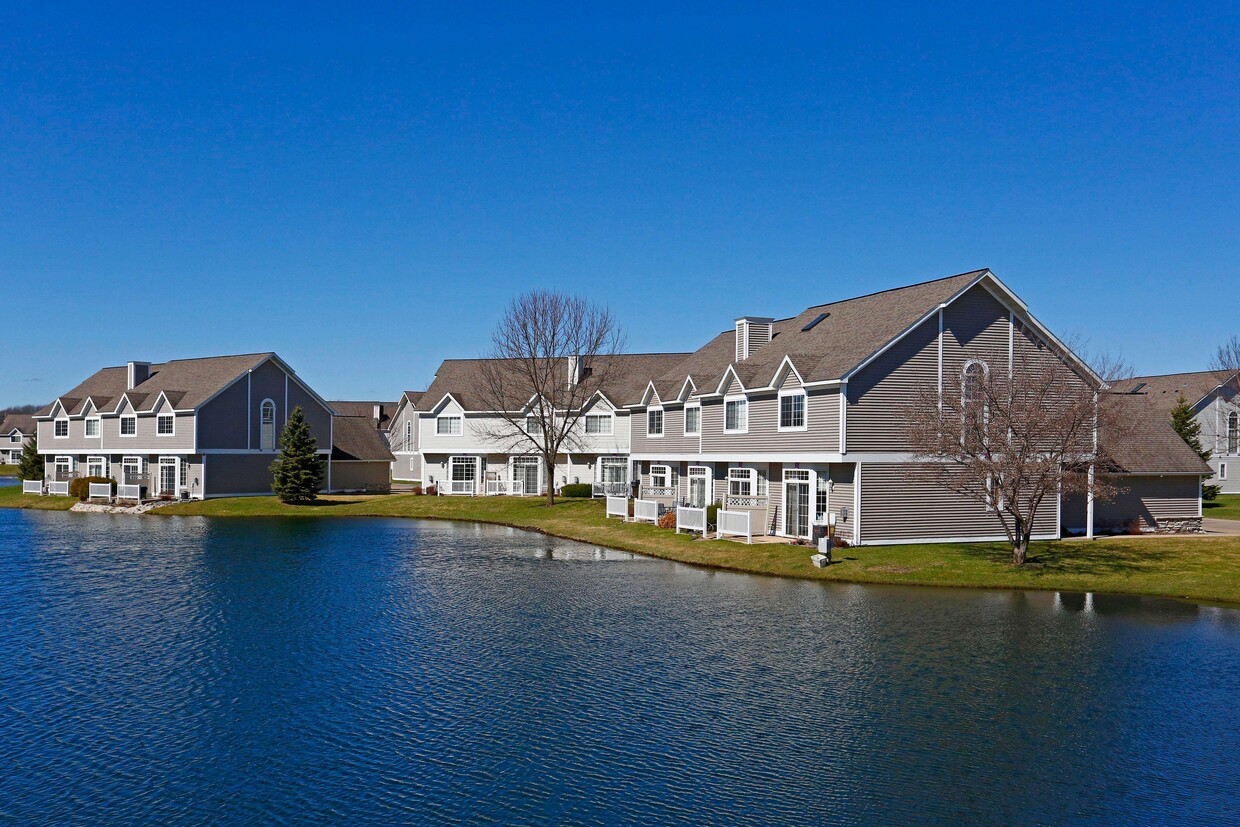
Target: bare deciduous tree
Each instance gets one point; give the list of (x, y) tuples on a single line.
[(551, 355), (1013, 442), (1226, 360)]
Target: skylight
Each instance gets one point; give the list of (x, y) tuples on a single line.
[(816, 320)]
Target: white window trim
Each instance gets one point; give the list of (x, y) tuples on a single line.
[(662, 422), (533, 425), (751, 476), (57, 462), (735, 398), (609, 418), (779, 415), (1222, 471), (667, 472), (125, 461), (121, 425), (173, 417), (697, 406), (98, 427), (1227, 433), (65, 435), (459, 429), (102, 462)]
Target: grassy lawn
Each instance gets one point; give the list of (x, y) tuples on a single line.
[(1192, 567), (11, 496), (8, 470), (1226, 507)]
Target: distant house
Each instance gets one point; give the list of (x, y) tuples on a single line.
[(198, 428), (1214, 398), (15, 432), (403, 438)]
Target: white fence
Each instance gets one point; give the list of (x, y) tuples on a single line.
[(618, 507), (102, 490), (647, 510), (611, 489), (659, 491), (58, 488), (497, 487), (32, 486), (735, 523), (690, 519), (128, 492), (460, 487)]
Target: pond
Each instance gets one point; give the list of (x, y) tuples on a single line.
[(188, 670)]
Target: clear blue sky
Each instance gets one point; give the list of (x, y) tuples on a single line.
[(362, 188)]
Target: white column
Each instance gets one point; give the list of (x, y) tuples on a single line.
[(1089, 505)]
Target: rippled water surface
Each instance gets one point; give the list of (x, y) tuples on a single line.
[(182, 670)]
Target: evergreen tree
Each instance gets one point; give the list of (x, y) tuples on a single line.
[(30, 467), (1189, 430), (298, 474)]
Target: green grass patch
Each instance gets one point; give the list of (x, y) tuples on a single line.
[(1226, 507), (8, 470), (1199, 568), (11, 496)]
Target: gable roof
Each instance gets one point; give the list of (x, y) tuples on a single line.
[(1150, 444), (23, 423), (187, 383), (356, 438), (367, 409), (1164, 389), (628, 376)]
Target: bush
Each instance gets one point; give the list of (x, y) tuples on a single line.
[(578, 489), (712, 516), (417, 491), (80, 487), (668, 520), (432, 491), (1210, 493)]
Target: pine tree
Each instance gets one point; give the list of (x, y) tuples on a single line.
[(30, 467), (298, 474), (1189, 430)]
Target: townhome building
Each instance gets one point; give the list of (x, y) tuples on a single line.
[(448, 437), (15, 432), (797, 420), (197, 428), (1214, 398)]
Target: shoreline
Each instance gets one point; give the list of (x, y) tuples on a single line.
[(1200, 569)]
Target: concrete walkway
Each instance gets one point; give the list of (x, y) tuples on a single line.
[(1213, 525)]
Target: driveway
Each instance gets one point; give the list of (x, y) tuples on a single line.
[(1214, 525)]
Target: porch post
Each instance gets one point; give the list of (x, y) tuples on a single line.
[(1089, 505)]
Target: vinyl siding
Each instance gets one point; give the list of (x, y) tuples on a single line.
[(673, 440), (898, 506), (1148, 499), (822, 416), (232, 474), (842, 498), (359, 476)]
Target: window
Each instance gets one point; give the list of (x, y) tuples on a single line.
[(736, 416), (413, 463), (971, 384), (614, 469), (448, 426), (599, 424), (660, 476), (129, 425), (822, 499), (792, 412), (64, 468), (267, 425), (165, 425), (741, 482), (92, 426), (1233, 433), (654, 422), (533, 425), (62, 428), (96, 467), (1222, 471), (693, 420), (408, 436), (15, 437), (131, 469)]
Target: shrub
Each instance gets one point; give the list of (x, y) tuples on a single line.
[(1135, 526), (578, 489), (432, 491), (668, 520), (417, 491), (838, 542), (80, 487), (712, 516)]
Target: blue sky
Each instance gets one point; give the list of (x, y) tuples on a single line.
[(362, 188)]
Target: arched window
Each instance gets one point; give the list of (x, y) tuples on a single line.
[(971, 384), (267, 431), (1233, 433)]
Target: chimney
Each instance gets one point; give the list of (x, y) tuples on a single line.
[(138, 373), (378, 413), (574, 370), (752, 332)]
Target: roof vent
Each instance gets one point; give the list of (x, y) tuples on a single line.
[(752, 332), (816, 320), (137, 373)]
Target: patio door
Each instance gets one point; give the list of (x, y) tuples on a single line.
[(797, 503), (699, 486), (168, 468), (525, 472)]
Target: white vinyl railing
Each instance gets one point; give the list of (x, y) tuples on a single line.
[(498, 487), (58, 488), (744, 502), (32, 486), (128, 492), (611, 489), (460, 486), (100, 489), (690, 519), (659, 491), (735, 523), (647, 510), (618, 507)]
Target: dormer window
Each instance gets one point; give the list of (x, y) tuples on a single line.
[(693, 420), (792, 411), (654, 422), (165, 425), (736, 415), (61, 428), (533, 426), (129, 425), (448, 426), (599, 424), (92, 426)]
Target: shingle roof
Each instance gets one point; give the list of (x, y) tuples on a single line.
[(1166, 388), (1148, 444), (186, 382), (627, 376), (24, 423), (852, 330), (355, 438), (367, 409)]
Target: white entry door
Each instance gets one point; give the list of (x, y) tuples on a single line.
[(797, 503), (168, 467)]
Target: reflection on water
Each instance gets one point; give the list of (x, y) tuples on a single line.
[(157, 670)]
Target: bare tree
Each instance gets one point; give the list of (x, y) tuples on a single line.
[(1012, 442), (551, 356), (1226, 360)]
